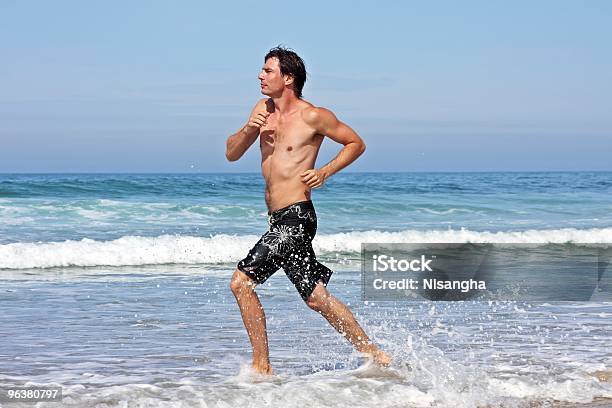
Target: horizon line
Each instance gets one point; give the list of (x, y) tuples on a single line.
[(344, 172)]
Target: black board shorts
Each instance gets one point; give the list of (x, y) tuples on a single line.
[(288, 244)]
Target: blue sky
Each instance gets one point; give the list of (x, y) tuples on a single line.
[(431, 86)]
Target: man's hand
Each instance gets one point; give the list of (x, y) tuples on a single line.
[(313, 178), (256, 121), (239, 142)]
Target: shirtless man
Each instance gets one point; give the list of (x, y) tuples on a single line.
[(290, 132)]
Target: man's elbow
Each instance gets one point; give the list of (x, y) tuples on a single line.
[(230, 157), (361, 147), (231, 152)]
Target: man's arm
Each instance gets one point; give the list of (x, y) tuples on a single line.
[(326, 123), (238, 143)]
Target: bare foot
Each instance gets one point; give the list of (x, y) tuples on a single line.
[(262, 368), (381, 358), (604, 376)]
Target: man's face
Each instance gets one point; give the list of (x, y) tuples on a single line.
[(270, 78)]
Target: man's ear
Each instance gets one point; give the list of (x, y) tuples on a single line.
[(289, 79)]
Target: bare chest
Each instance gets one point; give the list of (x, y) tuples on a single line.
[(286, 135)]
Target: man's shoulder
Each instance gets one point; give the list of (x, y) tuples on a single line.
[(316, 115), (263, 104), (263, 101)]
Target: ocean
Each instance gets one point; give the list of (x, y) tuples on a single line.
[(116, 288)]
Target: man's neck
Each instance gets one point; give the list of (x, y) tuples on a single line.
[(286, 103)]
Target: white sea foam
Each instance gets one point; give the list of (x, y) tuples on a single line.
[(337, 390), (175, 249)]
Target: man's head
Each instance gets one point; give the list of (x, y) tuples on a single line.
[(282, 68)]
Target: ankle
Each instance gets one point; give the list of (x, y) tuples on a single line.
[(261, 362)]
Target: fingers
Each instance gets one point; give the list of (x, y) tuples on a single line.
[(309, 176), (312, 178), (259, 119), (263, 117), (257, 122), (315, 183)]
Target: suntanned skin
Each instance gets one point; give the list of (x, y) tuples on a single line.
[(290, 132)]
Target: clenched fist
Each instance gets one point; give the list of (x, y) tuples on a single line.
[(256, 121), (313, 178)]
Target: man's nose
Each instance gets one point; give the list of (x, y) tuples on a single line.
[(260, 76)]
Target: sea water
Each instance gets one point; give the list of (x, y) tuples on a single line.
[(116, 288)]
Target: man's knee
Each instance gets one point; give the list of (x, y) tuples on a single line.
[(241, 282), (319, 298)]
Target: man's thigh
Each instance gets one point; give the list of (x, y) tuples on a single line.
[(260, 263), (305, 271)]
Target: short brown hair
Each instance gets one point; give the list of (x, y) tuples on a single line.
[(290, 64)]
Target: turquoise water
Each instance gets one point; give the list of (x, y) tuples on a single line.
[(104, 207), (115, 287), (93, 220)]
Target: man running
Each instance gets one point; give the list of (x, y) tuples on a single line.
[(290, 132)]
